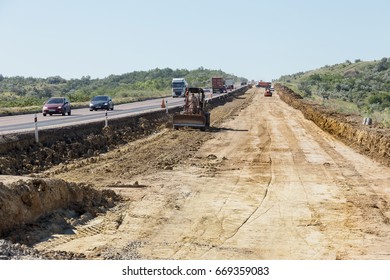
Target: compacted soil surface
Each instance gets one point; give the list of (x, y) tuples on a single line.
[(262, 183)]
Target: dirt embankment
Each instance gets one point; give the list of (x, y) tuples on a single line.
[(369, 140), (20, 155), (24, 201)]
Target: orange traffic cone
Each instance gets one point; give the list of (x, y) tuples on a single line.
[(163, 103)]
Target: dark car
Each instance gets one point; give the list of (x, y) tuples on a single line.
[(101, 102), (223, 89), (57, 105)]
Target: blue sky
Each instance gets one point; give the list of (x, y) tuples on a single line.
[(255, 39)]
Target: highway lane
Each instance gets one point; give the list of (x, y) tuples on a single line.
[(25, 122)]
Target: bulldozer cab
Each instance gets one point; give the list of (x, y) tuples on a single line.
[(194, 101)]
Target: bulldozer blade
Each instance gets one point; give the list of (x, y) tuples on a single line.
[(189, 120)]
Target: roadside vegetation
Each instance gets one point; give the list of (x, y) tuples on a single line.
[(27, 94), (359, 87)]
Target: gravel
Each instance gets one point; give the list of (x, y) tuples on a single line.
[(16, 251)]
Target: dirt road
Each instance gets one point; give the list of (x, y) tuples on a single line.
[(264, 183)]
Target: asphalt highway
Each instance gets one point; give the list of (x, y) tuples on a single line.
[(26, 122)]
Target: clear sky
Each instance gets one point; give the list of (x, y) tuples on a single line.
[(255, 39)]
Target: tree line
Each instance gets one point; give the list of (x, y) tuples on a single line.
[(28, 91)]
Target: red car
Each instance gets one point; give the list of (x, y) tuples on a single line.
[(57, 105)]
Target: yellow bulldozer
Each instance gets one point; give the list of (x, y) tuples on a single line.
[(194, 111)]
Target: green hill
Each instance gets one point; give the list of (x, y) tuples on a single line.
[(361, 87)]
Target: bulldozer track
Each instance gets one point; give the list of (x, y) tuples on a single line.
[(107, 224)]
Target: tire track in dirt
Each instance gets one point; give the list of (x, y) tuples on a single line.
[(339, 168), (225, 223), (319, 190), (266, 167), (259, 212), (101, 225)]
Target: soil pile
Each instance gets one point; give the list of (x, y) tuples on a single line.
[(26, 201)]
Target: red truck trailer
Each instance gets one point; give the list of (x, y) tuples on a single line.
[(217, 84), (264, 84)]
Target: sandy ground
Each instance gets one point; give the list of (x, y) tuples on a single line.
[(264, 183)]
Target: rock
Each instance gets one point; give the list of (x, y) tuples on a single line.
[(212, 156)]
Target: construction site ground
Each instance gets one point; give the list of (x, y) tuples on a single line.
[(262, 183)]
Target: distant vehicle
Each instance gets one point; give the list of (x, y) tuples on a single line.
[(101, 102), (268, 92), (207, 90), (271, 89), (179, 86), (264, 84), (229, 83), (57, 105), (217, 84)]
